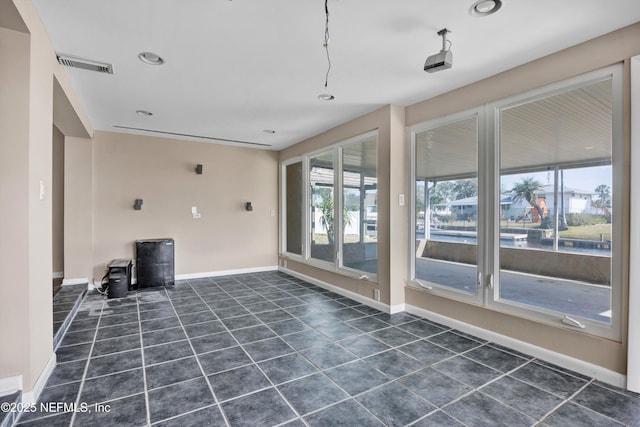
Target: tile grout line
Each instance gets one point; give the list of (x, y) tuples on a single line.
[(463, 353), (336, 342), (251, 286), (86, 368), (294, 350), (564, 402), (570, 400), (320, 370), (277, 335), (195, 355), (505, 374), (533, 361), (397, 380), (251, 358), (144, 366)]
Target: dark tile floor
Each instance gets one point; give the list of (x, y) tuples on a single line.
[(268, 349), (65, 302), (8, 417)]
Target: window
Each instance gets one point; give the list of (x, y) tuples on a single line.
[(536, 229), (446, 205), (294, 204), (360, 205), (559, 177), (321, 201), (338, 226)]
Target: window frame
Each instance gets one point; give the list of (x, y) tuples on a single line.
[(488, 228), (592, 327), (283, 208), (337, 266), (478, 114)]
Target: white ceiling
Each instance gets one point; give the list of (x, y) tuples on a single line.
[(235, 68)]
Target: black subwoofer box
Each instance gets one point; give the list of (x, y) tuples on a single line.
[(154, 263)]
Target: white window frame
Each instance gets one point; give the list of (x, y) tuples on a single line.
[(488, 229), (283, 208), (633, 342), (612, 330), (337, 265), (478, 114)]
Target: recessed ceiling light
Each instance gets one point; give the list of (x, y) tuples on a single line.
[(144, 113), (485, 7), (326, 97), (270, 131), (151, 58)]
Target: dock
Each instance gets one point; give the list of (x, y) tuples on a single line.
[(513, 237)]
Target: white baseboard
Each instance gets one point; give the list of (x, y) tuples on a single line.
[(598, 372), (398, 308), (338, 290), (78, 281), (10, 385), (225, 272), (32, 396), (58, 274)]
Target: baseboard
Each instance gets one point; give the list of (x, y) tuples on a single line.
[(32, 396), (10, 385), (58, 274), (59, 335), (225, 272), (398, 308), (78, 281), (354, 296), (589, 369)]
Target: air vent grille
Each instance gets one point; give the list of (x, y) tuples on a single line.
[(84, 64)]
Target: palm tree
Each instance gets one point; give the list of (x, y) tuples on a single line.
[(326, 207), (527, 189), (603, 193), (327, 219)]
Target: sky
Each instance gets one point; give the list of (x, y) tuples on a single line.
[(581, 179)]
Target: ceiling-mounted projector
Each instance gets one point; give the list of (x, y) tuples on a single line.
[(442, 60)]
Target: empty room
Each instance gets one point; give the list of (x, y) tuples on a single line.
[(320, 213)]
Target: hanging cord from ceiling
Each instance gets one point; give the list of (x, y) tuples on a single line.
[(326, 41)]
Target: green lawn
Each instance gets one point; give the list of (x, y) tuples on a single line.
[(588, 232), (584, 232)]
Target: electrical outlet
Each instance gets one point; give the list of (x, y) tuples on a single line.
[(376, 294)]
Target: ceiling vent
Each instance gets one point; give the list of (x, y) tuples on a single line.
[(85, 64)]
